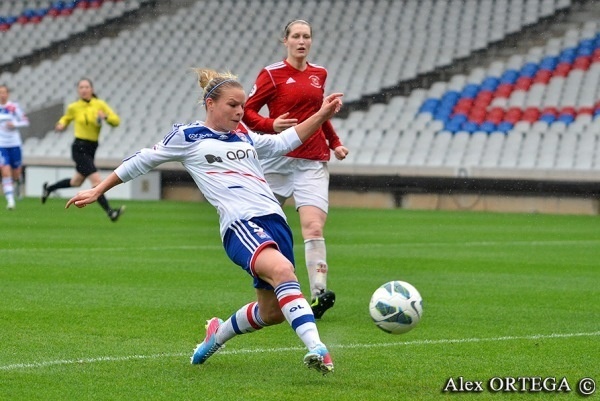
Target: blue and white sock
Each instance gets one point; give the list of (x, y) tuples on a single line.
[(245, 320), (298, 313)]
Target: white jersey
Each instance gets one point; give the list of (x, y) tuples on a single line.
[(11, 112), (224, 165)]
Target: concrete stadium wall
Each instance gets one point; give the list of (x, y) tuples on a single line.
[(143, 188), (431, 201), (384, 192)]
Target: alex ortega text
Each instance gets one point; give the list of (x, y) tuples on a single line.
[(507, 385)]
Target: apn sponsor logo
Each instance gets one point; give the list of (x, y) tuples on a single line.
[(241, 154)]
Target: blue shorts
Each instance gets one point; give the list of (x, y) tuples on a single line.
[(11, 156), (244, 240)]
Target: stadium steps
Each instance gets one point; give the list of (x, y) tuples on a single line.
[(519, 42)]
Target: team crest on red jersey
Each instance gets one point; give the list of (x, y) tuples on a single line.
[(315, 81), (252, 91)]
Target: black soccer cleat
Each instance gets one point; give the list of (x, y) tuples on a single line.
[(322, 302), (116, 213), (45, 193)]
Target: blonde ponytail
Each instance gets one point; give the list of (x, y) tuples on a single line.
[(211, 82)]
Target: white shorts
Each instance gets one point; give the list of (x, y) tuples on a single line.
[(307, 180)]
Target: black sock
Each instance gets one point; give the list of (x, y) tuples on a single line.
[(66, 183), (104, 203)]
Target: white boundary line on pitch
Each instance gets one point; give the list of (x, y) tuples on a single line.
[(403, 244), (117, 249), (20, 366)]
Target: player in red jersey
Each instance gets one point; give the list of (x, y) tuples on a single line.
[(293, 90)]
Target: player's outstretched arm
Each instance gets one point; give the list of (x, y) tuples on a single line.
[(91, 195), (331, 105)]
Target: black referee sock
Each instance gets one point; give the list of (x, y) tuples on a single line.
[(66, 183), (104, 203)]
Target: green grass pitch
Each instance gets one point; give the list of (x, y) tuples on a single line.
[(95, 310)]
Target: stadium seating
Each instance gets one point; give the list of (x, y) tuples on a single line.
[(558, 87), (537, 111), (515, 113), (32, 25), (545, 103)]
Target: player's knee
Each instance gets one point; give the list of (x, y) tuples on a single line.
[(312, 229), (312, 234), (283, 272)]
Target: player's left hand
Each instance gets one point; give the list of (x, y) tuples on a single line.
[(340, 152)]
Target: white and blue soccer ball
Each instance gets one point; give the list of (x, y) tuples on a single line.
[(396, 307)]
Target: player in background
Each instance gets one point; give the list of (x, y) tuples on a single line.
[(293, 89), (11, 119), (89, 113), (222, 156)]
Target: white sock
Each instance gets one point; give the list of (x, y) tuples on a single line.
[(298, 313), (316, 264), (245, 320), (7, 187)]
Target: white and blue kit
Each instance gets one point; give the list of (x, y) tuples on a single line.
[(227, 170), (10, 138)]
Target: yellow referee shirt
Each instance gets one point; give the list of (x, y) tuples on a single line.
[(85, 114)]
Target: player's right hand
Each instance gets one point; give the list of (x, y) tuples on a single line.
[(282, 122), (83, 198)]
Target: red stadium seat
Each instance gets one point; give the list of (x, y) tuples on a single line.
[(495, 115), (477, 114), (503, 90), (531, 114), (568, 111), (523, 83), (562, 70), (463, 106), (513, 115), (542, 77), (582, 63), (550, 110), (483, 99)]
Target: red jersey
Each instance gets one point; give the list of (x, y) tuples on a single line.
[(285, 89)]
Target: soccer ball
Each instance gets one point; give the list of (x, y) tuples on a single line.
[(396, 307)]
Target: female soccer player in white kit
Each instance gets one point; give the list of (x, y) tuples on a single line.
[(11, 119), (222, 156)]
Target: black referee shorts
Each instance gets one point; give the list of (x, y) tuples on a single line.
[(83, 153)]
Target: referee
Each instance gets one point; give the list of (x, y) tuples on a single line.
[(89, 113)]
